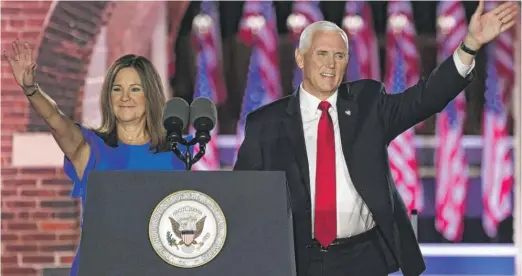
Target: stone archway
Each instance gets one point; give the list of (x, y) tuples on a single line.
[(64, 53)]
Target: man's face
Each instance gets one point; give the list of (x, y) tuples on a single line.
[(323, 63)]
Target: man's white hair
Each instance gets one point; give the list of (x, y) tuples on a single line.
[(305, 40)]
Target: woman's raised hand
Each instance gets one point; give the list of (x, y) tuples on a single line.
[(22, 64)]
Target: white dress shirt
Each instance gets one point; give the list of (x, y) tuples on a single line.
[(353, 216)]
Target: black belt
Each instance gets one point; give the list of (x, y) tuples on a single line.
[(359, 238)]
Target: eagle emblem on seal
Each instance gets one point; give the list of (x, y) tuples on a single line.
[(187, 229), (187, 232)]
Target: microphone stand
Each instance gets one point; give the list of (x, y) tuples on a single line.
[(187, 158)]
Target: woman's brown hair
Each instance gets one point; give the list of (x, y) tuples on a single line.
[(155, 102)]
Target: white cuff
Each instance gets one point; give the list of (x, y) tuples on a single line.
[(462, 68)]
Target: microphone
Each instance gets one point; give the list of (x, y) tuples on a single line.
[(175, 119), (203, 116)]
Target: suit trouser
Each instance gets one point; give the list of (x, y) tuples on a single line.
[(358, 256)]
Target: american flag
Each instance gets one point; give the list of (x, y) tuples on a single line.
[(305, 13), (450, 159), (402, 71), (258, 30), (209, 82), (497, 162), (364, 48)]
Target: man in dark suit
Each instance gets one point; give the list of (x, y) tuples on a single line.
[(331, 139)]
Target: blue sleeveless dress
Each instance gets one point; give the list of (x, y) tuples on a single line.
[(124, 157)]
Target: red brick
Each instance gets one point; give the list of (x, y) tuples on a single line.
[(58, 247), (8, 260), (39, 237), (33, 23), (38, 259), (35, 11), (42, 215), (56, 181), (65, 192), (39, 193), (25, 271), (5, 138), (15, 114), (8, 36), (33, 4), (18, 204), (22, 226), (18, 182), (7, 146), (68, 237), (5, 159), (66, 215), (7, 215), (6, 192), (14, 119), (9, 237), (66, 259), (15, 23), (51, 226), (11, 94), (21, 248), (30, 37), (10, 12), (16, 122), (6, 171), (37, 171), (23, 215), (11, 102), (62, 204), (35, 215)]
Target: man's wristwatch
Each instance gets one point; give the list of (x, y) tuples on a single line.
[(36, 88), (466, 49)]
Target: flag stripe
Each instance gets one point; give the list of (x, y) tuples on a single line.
[(364, 51), (450, 159), (402, 71), (209, 82), (258, 30), (497, 163)]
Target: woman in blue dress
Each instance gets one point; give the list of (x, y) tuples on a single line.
[(131, 135)]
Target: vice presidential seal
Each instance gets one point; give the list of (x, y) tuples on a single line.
[(187, 229)]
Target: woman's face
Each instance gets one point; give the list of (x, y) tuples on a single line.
[(127, 96)]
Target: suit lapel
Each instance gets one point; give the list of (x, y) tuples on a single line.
[(294, 128), (347, 112)]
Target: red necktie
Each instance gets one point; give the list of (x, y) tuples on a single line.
[(325, 226)]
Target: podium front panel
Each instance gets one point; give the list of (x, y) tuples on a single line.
[(116, 240)]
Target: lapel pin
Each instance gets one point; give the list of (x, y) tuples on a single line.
[(348, 112)]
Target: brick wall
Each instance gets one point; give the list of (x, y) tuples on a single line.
[(40, 222)]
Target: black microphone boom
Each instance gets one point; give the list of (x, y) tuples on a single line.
[(203, 116)]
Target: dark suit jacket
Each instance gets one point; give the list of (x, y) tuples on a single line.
[(274, 141)]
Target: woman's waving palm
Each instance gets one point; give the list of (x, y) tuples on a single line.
[(22, 64)]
